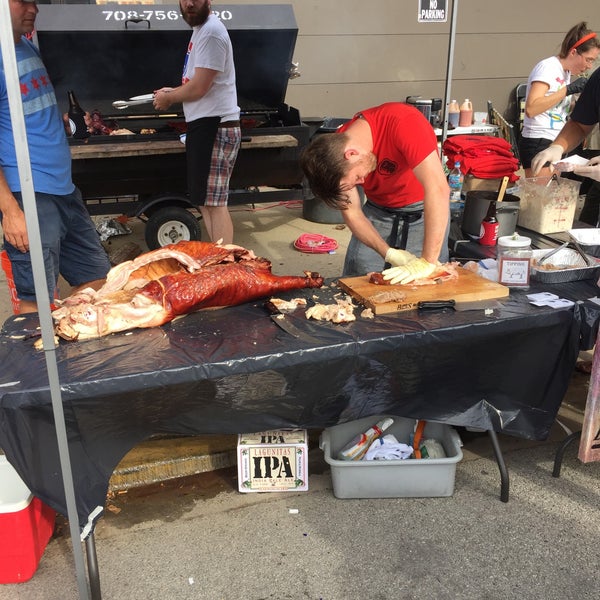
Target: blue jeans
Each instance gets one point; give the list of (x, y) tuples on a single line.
[(70, 244), (361, 259)]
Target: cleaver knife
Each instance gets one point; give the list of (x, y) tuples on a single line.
[(284, 322), (459, 306)]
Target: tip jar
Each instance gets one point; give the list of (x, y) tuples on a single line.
[(514, 260)]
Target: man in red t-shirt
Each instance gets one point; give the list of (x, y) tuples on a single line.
[(391, 151)]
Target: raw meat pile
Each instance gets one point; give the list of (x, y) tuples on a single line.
[(174, 280)]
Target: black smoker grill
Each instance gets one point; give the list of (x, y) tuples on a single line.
[(114, 52)]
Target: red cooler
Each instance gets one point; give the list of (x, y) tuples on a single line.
[(26, 525)]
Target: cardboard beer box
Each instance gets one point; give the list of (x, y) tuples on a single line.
[(477, 184), (273, 461)]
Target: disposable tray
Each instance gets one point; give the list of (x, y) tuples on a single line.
[(410, 478), (588, 239), (568, 265)]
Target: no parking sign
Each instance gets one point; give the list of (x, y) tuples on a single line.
[(432, 11)]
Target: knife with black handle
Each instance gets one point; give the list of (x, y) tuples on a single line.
[(488, 305), (435, 304)]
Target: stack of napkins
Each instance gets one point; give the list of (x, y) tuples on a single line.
[(548, 299)]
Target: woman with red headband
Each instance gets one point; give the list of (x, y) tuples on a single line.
[(550, 92)]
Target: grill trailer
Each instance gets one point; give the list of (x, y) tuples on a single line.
[(114, 52)]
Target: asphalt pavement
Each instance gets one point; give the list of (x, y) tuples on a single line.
[(198, 537)]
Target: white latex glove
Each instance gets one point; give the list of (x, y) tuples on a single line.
[(397, 258), (415, 269), (591, 169), (551, 154)]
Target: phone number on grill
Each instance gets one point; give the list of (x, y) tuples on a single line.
[(157, 15)]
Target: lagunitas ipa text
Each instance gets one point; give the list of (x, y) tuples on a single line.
[(273, 461)]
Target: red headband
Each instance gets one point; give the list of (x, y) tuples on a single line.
[(584, 39)]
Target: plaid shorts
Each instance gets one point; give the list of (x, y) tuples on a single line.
[(211, 151), (225, 151)]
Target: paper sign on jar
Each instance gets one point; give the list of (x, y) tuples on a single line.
[(514, 271)]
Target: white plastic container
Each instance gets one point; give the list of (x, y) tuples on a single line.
[(15, 495), (465, 118), (547, 206), (410, 478), (453, 113)]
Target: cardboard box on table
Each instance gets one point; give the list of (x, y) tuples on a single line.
[(273, 461), (476, 183), (26, 525)]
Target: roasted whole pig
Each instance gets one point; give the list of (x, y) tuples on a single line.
[(174, 280)]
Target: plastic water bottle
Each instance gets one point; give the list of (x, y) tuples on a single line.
[(455, 182)]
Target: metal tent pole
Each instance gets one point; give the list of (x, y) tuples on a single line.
[(7, 48), (449, 65)]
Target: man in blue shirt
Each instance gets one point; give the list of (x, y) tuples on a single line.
[(70, 243)]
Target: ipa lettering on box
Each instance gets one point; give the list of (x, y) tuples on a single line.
[(273, 461)]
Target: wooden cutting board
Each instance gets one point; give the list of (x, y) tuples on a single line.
[(469, 287)]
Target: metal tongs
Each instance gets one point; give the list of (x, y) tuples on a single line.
[(552, 252), (144, 99), (573, 244), (121, 104)]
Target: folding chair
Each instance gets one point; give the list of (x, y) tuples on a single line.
[(520, 96), (505, 129)]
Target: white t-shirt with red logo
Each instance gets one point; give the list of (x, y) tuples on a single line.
[(210, 48), (548, 124)]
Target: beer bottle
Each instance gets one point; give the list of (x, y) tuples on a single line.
[(77, 118), (488, 234)]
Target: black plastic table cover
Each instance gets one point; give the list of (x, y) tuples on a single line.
[(234, 371)]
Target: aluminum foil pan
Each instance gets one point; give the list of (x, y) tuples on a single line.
[(566, 265), (588, 239)]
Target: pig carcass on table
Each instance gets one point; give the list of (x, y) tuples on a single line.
[(157, 286)]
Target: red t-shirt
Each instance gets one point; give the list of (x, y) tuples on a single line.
[(402, 138)]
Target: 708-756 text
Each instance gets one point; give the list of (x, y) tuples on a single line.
[(156, 15)]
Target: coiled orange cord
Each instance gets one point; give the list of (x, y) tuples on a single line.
[(314, 243)]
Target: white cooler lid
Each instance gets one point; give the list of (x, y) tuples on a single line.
[(14, 494)]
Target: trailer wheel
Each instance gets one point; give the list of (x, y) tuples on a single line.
[(170, 225)]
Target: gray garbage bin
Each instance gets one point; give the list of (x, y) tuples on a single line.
[(314, 209)]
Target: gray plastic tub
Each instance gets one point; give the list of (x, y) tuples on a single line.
[(410, 478)]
